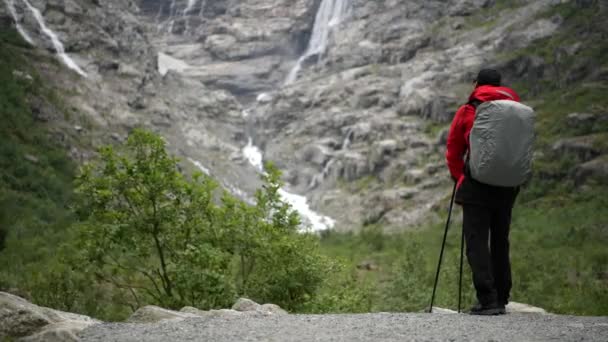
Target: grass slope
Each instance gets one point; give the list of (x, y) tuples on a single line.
[(559, 231)]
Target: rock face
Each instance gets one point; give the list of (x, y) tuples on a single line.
[(355, 132), (22, 319)]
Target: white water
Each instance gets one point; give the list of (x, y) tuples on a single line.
[(254, 155), (347, 139), (200, 166), (189, 7), (330, 14), (11, 8), (69, 62), (171, 17), (166, 63), (299, 203)]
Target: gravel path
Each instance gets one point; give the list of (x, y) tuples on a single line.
[(364, 327)]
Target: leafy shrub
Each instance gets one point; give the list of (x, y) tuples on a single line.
[(160, 238)]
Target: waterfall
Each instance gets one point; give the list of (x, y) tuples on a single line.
[(158, 17), (330, 14), (253, 155), (171, 16), (299, 203), (348, 139), (69, 62), (11, 8), (185, 12), (189, 7)]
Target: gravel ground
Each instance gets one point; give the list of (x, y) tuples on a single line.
[(363, 327)]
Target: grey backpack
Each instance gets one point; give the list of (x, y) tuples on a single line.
[(501, 143)]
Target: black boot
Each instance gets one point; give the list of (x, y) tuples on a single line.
[(488, 310)]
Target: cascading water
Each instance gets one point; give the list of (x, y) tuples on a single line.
[(189, 7), (185, 12), (254, 156), (57, 45), (11, 8), (171, 17), (330, 14)]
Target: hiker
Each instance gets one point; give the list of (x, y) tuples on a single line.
[(486, 208)]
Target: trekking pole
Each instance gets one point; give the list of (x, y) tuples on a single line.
[(460, 276), (445, 234)]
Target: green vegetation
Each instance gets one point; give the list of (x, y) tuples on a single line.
[(131, 230), (134, 231), (35, 177), (558, 257), (559, 230), (157, 237)]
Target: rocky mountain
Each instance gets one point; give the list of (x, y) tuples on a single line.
[(350, 98)]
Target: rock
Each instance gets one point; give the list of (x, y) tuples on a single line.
[(414, 176), (581, 120), (596, 169), (153, 314), (22, 319), (354, 166), (22, 75), (442, 311), (225, 313), (381, 154), (514, 307), (583, 147), (32, 159), (317, 155), (244, 304), (272, 309), (442, 137), (129, 70), (467, 7), (58, 332)]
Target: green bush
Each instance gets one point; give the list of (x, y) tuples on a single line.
[(157, 237)]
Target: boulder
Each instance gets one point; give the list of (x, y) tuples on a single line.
[(442, 137), (381, 153), (583, 147), (581, 120), (248, 306), (442, 311), (244, 304), (153, 314), (58, 332), (22, 319), (514, 307), (596, 169), (272, 309), (225, 313)]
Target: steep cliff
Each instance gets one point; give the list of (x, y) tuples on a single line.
[(350, 98)]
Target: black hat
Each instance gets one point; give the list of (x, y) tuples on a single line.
[(488, 77)]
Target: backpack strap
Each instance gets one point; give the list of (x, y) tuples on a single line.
[(475, 103), (467, 171)]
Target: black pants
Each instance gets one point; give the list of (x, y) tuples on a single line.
[(490, 263)]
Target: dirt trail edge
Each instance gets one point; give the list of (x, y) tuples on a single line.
[(361, 327)]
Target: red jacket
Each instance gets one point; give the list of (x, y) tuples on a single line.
[(458, 138)]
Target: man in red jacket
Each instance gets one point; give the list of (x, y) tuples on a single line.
[(486, 208)]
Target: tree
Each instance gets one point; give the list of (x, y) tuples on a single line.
[(149, 231), (162, 238)]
